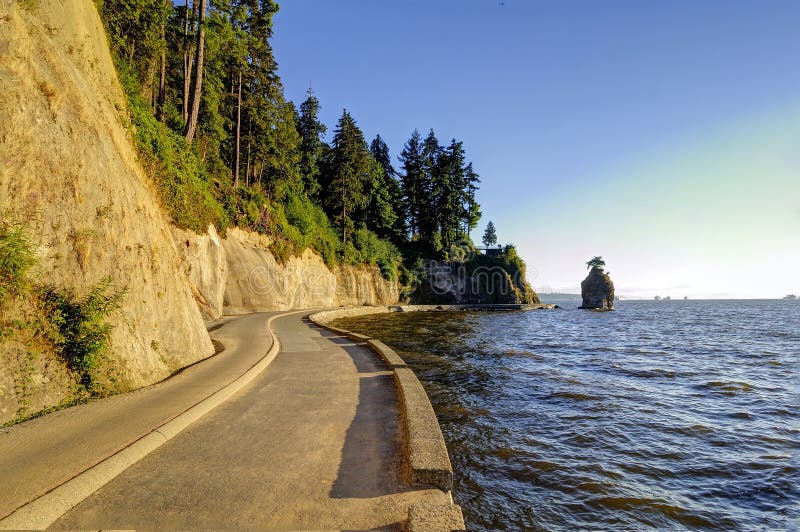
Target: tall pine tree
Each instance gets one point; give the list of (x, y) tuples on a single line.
[(398, 231), (311, 146), (413, 181), (490, 235), (433, 185), (351, 169)]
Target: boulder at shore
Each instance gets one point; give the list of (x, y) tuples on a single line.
[(597, 291)]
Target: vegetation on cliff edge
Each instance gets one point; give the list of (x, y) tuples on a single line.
[(225, 147), (38, 319)]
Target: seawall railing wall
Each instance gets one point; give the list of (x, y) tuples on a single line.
[(425, 451)]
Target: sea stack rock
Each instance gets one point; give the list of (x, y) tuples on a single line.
[(597, 291)]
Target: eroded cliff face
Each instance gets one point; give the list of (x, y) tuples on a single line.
[(206, 268), (257, 282), (238, 274), (69, 171), (449, 284), (362, 285)]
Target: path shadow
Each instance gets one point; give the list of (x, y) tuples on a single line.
[(371, 457), (372, 454), (365, 359)]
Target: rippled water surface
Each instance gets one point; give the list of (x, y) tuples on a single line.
[(673, 414)]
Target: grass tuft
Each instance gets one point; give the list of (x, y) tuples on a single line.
[(16, 258)]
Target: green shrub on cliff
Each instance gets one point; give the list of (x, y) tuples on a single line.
[(596, 263), (312, 222), (49, 318), (16, 257), (82, 330), (185, 191), (299, 224), (375, 251)]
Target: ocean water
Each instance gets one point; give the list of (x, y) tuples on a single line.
[(659, 415)]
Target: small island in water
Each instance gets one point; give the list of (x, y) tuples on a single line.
[(597, 290)]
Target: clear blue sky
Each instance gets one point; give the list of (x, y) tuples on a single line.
[(664, 136)]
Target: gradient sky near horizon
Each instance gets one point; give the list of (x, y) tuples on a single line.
[(664, 136)]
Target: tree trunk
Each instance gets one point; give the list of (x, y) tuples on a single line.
[(188, 58), (148, 83), (197, 89), (247, 175), (238, 131), (344, 219), (162, 84)]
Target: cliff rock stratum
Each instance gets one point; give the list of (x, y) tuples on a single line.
[(70, 174)]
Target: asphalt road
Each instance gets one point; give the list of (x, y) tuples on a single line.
[(313, 442), (42, 453)]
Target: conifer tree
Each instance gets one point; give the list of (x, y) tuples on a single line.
[(137, 34), (379, 214), (433, 187), (471, 210), (311, 146), (197, 83), (450, 192), (351, 169), (399, 229), (490, 235), (413, 180)]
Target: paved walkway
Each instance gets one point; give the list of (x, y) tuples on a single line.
[(313, 442), (42, 453)]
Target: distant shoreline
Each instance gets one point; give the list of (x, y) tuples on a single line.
[(555, 298)]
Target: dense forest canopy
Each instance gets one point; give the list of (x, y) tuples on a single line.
[(226, 147)]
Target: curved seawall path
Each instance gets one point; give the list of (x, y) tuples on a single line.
[(313, 441)]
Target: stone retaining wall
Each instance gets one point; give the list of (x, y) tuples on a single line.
[(425, 448)]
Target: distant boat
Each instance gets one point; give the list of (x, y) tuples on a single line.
[(685, 298), (667, 298), (790, 296), (657, 298)]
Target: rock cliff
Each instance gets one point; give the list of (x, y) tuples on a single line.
[(597, 291), (69, 171), (238, 274), (206, 268), (482, 282)]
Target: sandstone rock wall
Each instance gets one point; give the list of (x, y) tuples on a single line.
[(257, 282), (363, 286), (69, 171), (240, 275), (205, 266)]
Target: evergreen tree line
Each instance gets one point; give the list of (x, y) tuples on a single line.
[(211, 117)]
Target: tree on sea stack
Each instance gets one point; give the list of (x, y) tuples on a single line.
[(596, 262), (597, 290), (490, 235)]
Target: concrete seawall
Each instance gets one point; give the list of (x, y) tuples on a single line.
[(426, 456)]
